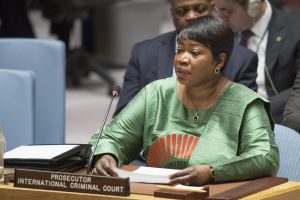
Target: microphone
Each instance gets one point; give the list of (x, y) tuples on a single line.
[(114, 93)]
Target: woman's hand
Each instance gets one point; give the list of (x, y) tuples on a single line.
[(196, 175), (105, 166)]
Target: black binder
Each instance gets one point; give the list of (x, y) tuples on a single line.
[(68, 161)]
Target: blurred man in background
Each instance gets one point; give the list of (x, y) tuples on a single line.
[(291, 114), (275, 37)]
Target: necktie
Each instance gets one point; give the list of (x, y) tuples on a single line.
[(245, 37)]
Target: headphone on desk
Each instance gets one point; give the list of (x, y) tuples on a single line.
[(253, 7)]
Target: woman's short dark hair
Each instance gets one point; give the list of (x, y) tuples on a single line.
[(211, 32)]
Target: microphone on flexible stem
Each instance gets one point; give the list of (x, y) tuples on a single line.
[(114, 93)]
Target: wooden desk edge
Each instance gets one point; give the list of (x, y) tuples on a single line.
[(30, 194), (274, 191)]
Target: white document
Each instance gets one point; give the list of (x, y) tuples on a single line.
[(196, 188), (38, 151), (147, 175)]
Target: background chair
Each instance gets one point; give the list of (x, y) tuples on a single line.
[(17, 107), (288, 141), (46, 58)]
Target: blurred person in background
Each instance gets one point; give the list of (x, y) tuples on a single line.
[(14, 21), (275, 36), (291, 6), (291, 114), (153, 59)]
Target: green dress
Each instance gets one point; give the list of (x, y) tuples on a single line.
[(234, 136)]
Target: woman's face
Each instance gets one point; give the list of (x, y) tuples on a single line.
[(194, 63)]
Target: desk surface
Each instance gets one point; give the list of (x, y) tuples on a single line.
[(281, 190), (289, 191)]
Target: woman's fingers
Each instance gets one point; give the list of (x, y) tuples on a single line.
[(99, 171), (184, 180), (180, 173), (105, 166), (196, 175), (110, 170), (182, 177)]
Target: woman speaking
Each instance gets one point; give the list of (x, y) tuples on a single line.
[(213, 129)]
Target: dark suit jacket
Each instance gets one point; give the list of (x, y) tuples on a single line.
[(291, 114), (153, 59), (282, 59)]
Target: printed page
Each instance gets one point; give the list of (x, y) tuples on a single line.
[(147, 175), (38, 151), (194, 188)]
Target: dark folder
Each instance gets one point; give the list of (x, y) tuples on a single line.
[(67, 161)]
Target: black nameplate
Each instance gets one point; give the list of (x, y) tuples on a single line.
[(69, 182)]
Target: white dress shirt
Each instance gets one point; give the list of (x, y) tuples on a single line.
[(258, 44)]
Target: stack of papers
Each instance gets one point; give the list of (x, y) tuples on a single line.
[(47, 157), (155, 175), (147, 175), (43, 152)]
